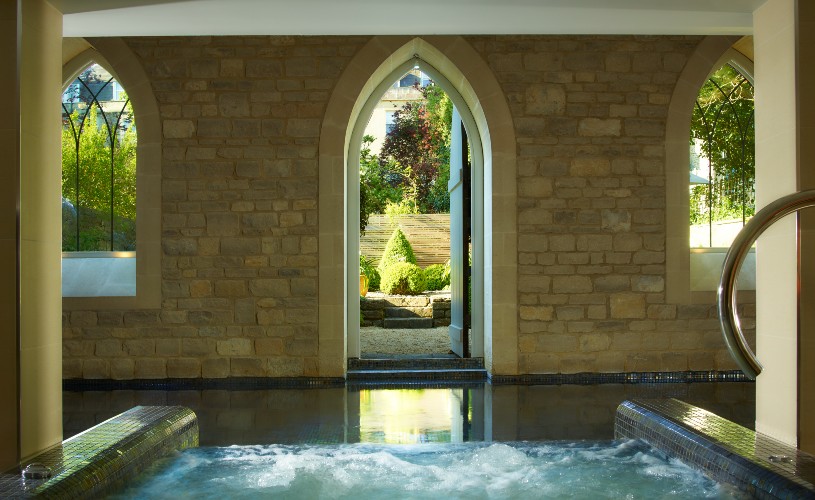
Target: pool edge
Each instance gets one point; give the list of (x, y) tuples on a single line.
[(725, 451), (100, 459)]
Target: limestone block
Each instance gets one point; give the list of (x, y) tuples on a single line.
[(545, 100), (246, 367), (168, 347), (618, 62), (178, 129), (610, 362), (108, 348), (643, 362), (596, 127), (627, 305), (648, 283), (586, 167), (626, 341), (150, 368), (214, 127), (616, 220), (183, 368), (215, 368), (569, 313), (95, 369), (593, 342), (536, 283), (235, 347), (577, 363), (551, 342), (71, 368), (269, 346), (571, 284), (285, 367), (270, 287), (644, 127), (662, 311), (122, 369), (303, 127), (223, 224), (140, 347), (612, 283), (536, 313), (301, 347)]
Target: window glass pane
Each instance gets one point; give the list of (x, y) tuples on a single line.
[(98, 165), (722, 166)]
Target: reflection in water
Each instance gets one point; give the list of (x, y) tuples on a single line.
[(407, 416), (474, 412)]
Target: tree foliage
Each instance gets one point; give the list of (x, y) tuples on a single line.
[(419, 145), (98, 181), (723, 123), (397, 249), (403, 278), (410, 173)]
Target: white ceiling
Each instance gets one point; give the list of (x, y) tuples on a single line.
[(342, 17)]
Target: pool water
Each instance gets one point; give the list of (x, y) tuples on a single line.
[(610, 469)]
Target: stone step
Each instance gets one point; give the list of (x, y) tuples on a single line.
[(408, 312), (451, 363), (408, 323), (401, 375)]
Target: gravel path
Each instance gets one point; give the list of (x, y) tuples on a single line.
[(376, 340)]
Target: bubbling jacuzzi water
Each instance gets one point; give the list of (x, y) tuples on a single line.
[(619, 469)]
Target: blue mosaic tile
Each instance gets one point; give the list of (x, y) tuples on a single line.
[(100, 459), (728, 452), (620, 378)]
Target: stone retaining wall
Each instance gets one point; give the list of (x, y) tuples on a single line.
[(405, 311)]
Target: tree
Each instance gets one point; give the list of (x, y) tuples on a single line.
[(723, 123), (419, 148), (380, 183), (99, 180)]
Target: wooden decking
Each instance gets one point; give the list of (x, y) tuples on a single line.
[(428, 234)]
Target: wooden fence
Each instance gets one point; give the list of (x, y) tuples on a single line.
[(428, 234)]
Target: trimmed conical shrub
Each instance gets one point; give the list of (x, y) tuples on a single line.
[(403, 278), (397, 249)]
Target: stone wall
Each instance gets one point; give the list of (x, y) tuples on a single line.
[(590, 119), (241, 121)]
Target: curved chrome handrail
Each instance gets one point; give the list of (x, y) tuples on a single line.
[(726, 294)]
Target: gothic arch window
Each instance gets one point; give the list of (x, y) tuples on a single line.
[(99, 143), (722, 153), (111, 180)]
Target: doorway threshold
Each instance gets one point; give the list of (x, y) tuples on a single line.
[(419, 367)]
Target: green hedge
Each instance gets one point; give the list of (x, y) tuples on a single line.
[(437, 277), (397, 249), (403, 278)]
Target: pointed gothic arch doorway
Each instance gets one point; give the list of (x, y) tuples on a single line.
[(466, 215)]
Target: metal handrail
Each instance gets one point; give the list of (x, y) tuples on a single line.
[(726, 294)]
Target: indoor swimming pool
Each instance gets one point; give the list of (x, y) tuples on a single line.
[(465, 440), (613, 469)]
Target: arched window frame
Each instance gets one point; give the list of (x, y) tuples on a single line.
[(114, 55), (687, 284)]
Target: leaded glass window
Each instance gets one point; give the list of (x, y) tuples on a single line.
[(98, 164), (722, 167)]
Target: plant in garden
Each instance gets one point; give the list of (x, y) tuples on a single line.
[(367, 268), (437, 277), (379, 184), (723, 122), (419, 147), (403, 278), (98, 181), (397, 249)]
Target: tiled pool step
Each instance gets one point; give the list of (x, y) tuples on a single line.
[(96, 461), (728, 452), (415, 363), (432, 369)]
